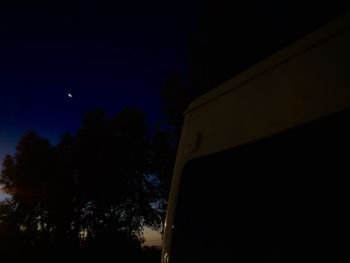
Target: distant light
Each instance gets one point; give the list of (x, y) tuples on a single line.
[(70, 95)]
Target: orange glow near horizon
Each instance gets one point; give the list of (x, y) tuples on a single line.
[(152, 238)]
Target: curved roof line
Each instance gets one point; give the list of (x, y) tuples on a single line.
[(288, 53)]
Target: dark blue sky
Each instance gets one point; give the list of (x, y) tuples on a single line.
[(112, 54), (106, 55)]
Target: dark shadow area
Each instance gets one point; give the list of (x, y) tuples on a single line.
[(235, 35), (86, 199), (282, 198), (89, 197), (151, 254)]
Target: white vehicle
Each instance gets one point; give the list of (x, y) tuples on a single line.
[(262, 166)]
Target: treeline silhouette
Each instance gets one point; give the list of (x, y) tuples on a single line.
[(86, 198), (89, 196)]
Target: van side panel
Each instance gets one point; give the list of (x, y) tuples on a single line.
[(306, 81)]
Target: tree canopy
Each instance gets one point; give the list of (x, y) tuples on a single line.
[(90, 194)]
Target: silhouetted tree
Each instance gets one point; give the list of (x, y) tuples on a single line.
[(175, 96), (25, 178), (111, 169), (90, 195)]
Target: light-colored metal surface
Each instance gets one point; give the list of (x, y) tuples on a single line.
[(303, 82)]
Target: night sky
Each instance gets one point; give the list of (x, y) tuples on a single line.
[(105, 55), (109, 54)]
